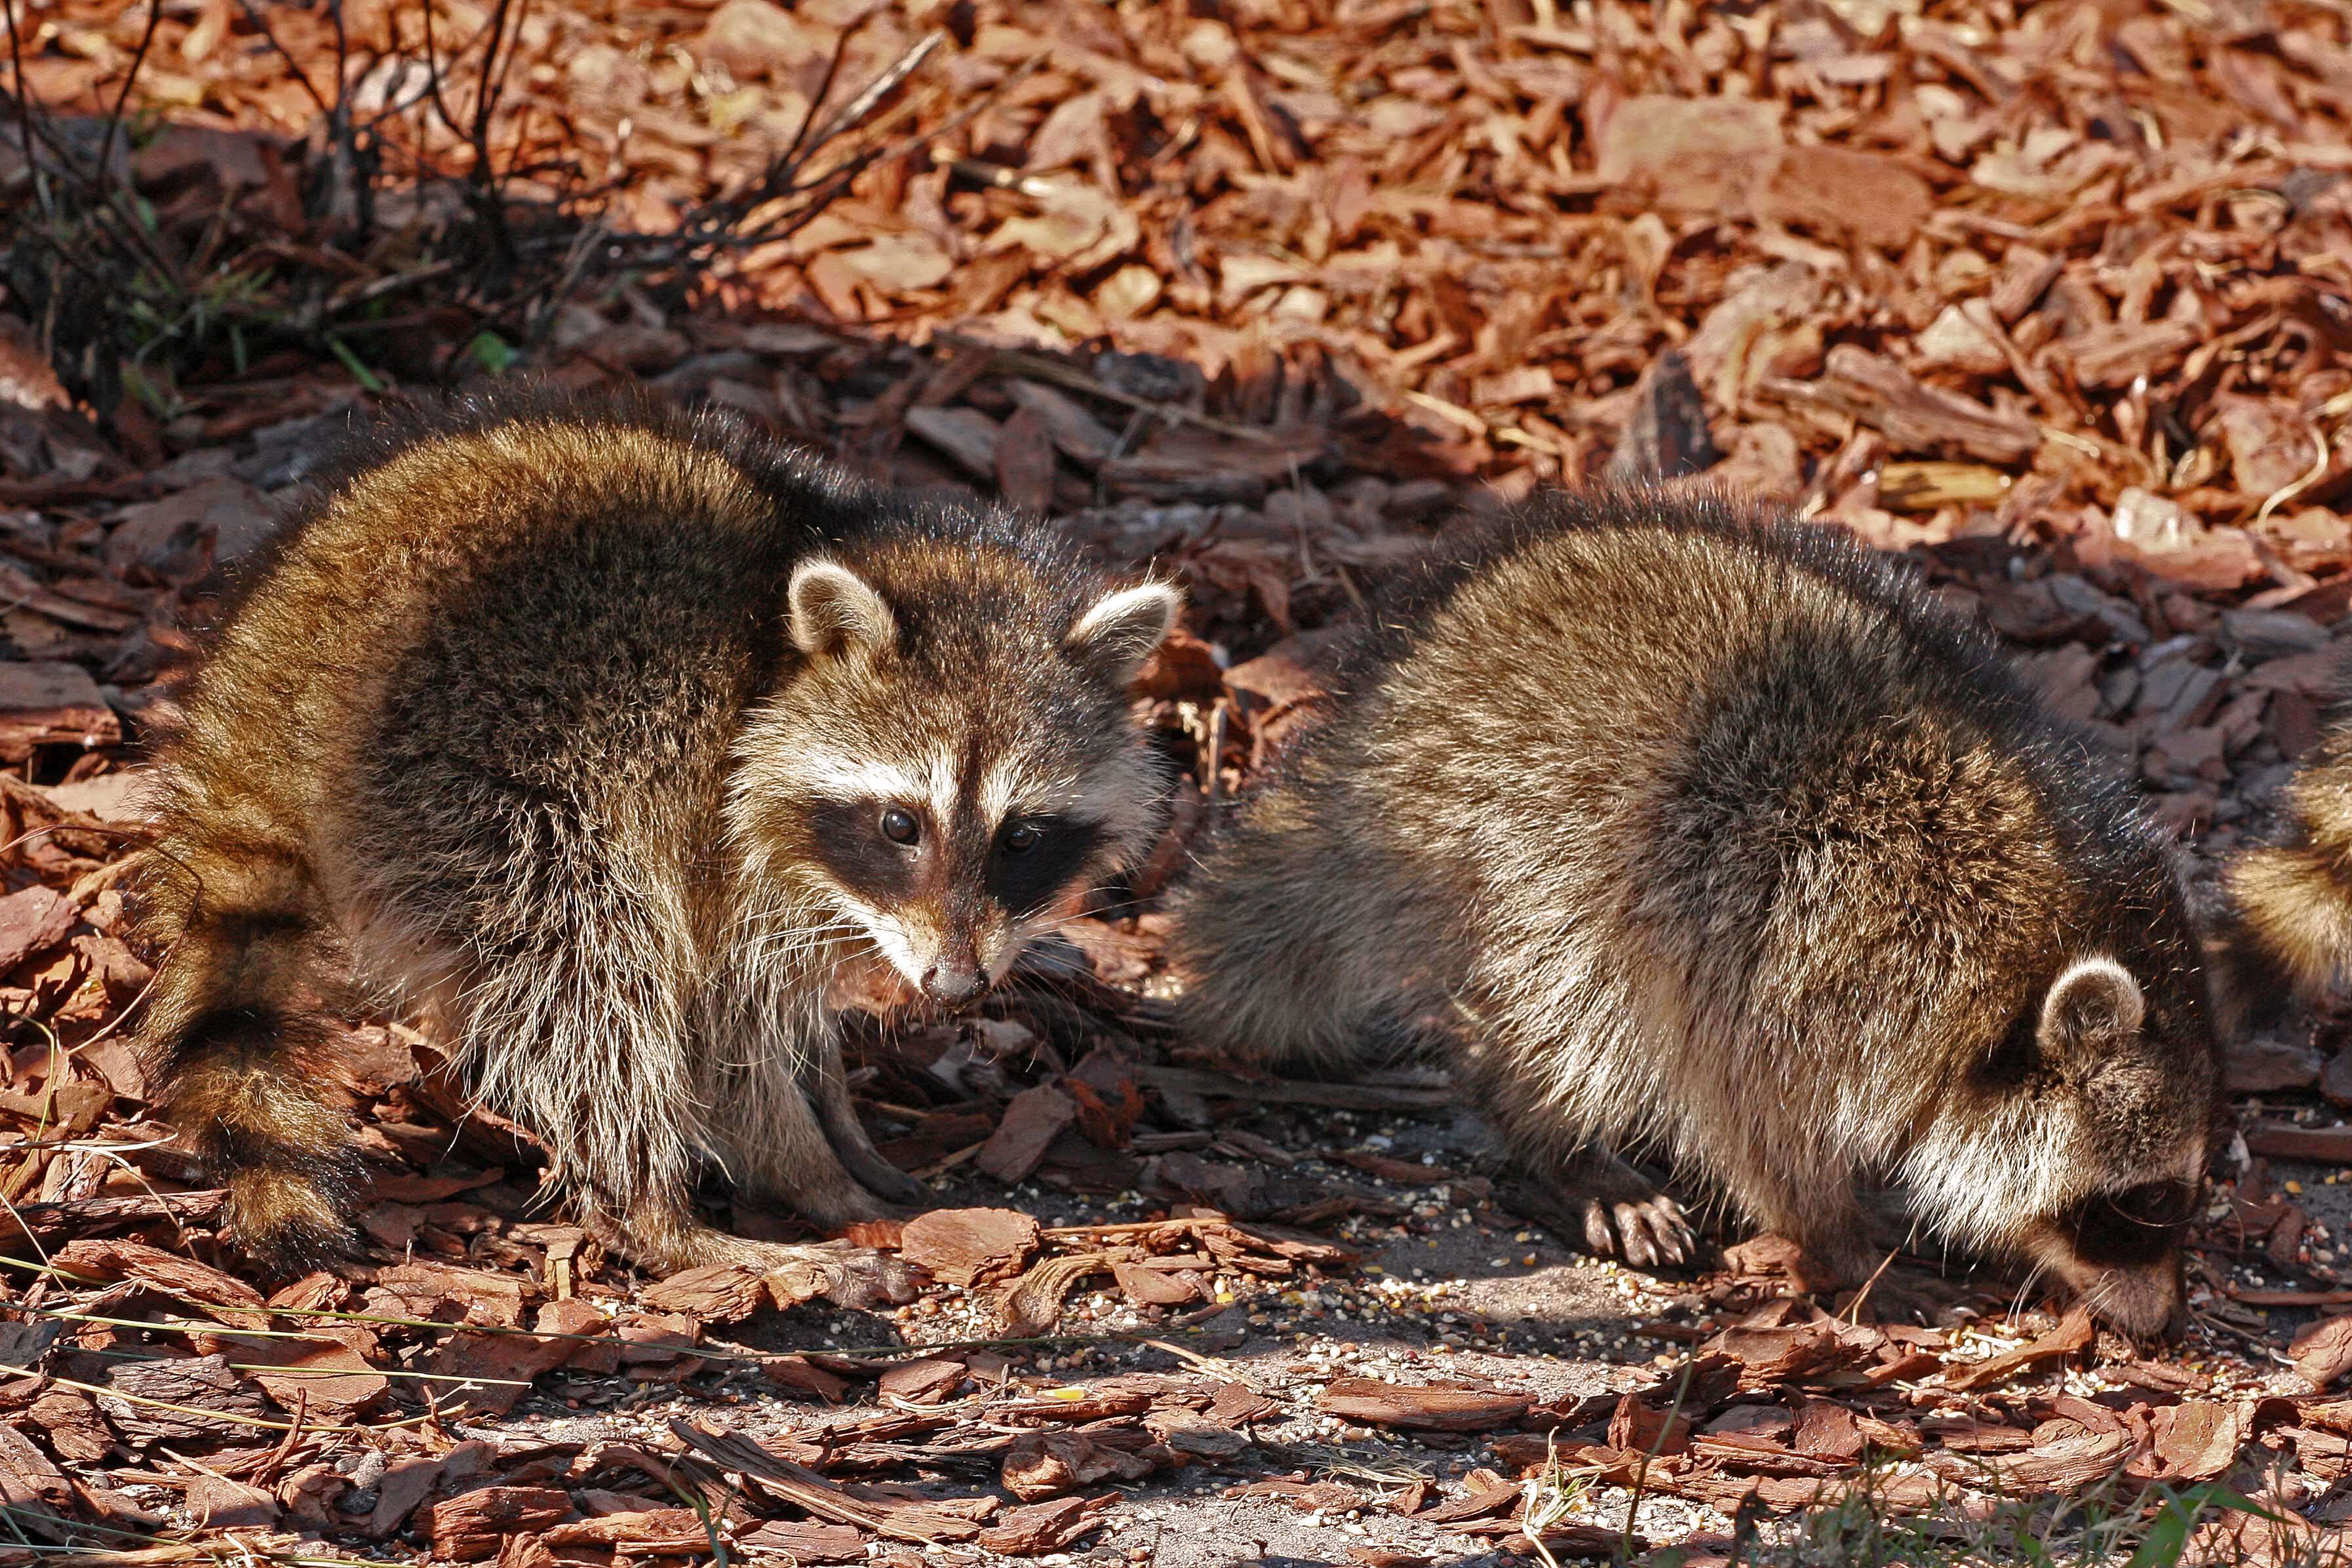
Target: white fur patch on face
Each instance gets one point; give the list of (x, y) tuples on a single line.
[(852, 779), (911, 953)]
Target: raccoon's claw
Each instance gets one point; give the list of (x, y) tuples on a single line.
[(1649, 1233)]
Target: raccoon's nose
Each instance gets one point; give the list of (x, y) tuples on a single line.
[(952, 984)]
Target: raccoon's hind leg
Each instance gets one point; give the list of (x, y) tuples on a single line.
[(1292, 952), (234, 1033)]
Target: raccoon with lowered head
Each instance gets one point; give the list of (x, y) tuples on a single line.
[(1669, 826), (600, 736)]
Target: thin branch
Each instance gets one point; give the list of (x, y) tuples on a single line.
[(130, 80), (301, 77), (23, 110), (817, 100), (899, 70)]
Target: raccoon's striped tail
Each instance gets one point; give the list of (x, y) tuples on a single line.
[(236, 1033), (2287, 932)]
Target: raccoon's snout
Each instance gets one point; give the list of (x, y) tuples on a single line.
[(951, 983), (2121, 1253), (2147, 1302)]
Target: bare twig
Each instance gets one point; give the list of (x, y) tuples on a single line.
[(130, 80), (24, 109), (302, 78)]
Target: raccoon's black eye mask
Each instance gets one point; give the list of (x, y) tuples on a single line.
[(1035, 857), (2135, 1227)]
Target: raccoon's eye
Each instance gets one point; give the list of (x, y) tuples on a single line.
[(899, 827), (1020, 838), (2158, 1204), (2128, 1229)]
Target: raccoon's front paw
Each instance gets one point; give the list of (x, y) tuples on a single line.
[(1619, 1212), (855, 1277), (1648, 1232)]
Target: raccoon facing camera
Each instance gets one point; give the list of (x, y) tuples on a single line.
[(598, 737), (1669, 827)]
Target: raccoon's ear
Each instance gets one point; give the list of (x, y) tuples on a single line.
[(1125, 627), (836, 611), (2093, 1005)]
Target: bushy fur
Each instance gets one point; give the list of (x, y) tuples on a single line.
[(543, 720), (2285, 934), (1669, 827)]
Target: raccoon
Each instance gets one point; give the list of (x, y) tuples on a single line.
[(2285, 928), (1669, 826), (600, 736)]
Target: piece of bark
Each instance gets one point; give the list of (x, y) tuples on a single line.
[(651, 1532), (1479, 1501), (32, 921), (29, 1484), (2322, 1351), (1689, 156), (2282, 1141), (2066, 1464), (1789, 1352), (72, 1425), (505, 1360), (1035, 1119), (1873, 197), (1043, 1527), (2199, 1439), (469, 1526), (802, 1540), (1916, 417), (970, 1246), (19, 591), (221, 1504), (812, 1493), (198, 1388), (2073, 1335), (2266, 1064), (1032, 1303), (717, 1292), (52, 704), (1148, 1287), (966, 435), (1421, 1408), (924, 1382), (404, 1485), (1666, 436), (1025, 462), (327, 1378), (1183, 1431), (1041, 1465)]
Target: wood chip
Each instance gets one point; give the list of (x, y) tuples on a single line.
[(1035, 1119), (970, 1246), (2073, 1336), (52, 705), (1424, 1408)]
